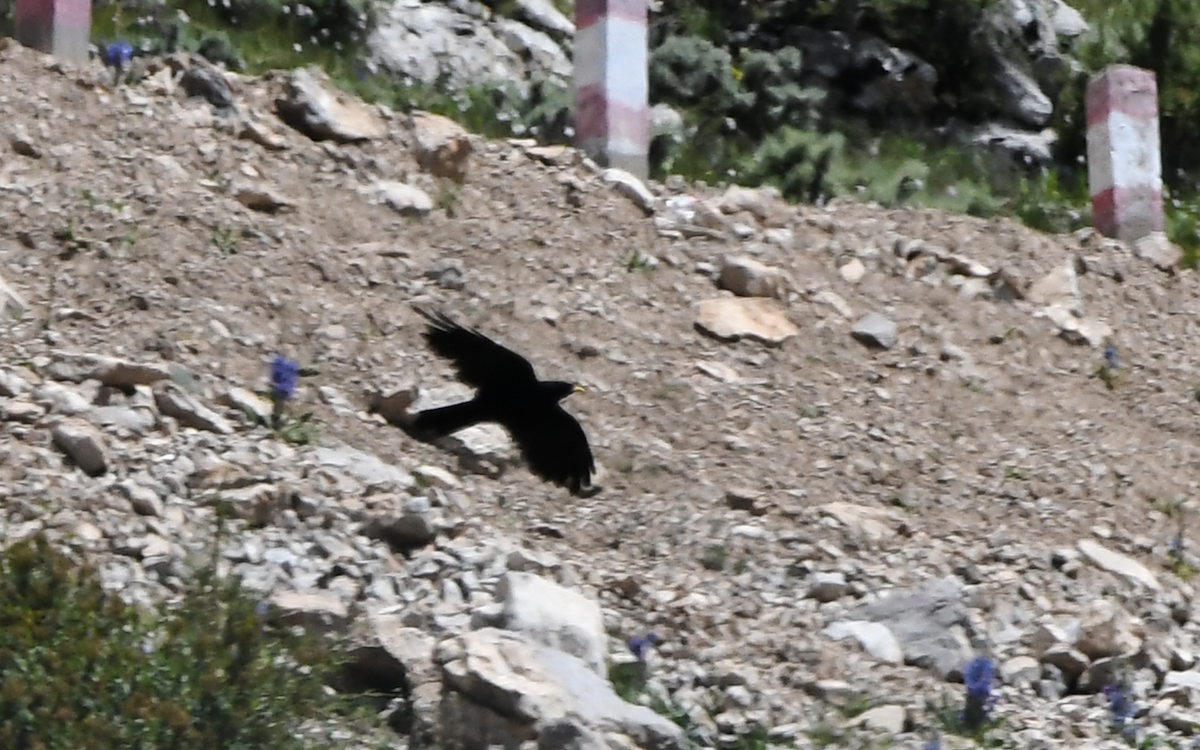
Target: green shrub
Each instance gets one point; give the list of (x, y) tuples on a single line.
[(688, 70), (964, 67), (1182, 224), (216, 47), (546, 112), (710, 19), (80, 668), (797, 162), (1053, 200), (772, 83), (327, 21), (892, 170)]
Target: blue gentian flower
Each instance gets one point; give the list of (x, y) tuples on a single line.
[(117, 54), (639, 645), (1110, 358), (1118, 703), (260, 615), (977, 676), (283, 378), (284, 373), (1120, 709)]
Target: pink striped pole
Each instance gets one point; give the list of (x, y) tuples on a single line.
[(612, 115), (1124, 162), (59, 27)]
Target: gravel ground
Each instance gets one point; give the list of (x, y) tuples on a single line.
[(736, 474)]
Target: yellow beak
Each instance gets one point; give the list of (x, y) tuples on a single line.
[(578, 389)]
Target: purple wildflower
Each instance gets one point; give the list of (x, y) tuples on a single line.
[(1110, 358), (1120, 709), (639, 645), (977, 676), (283, 378), (117, 54)]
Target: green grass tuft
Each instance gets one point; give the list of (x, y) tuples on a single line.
[(79, 667)]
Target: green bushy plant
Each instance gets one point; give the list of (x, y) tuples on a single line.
[(1181, 216), (707, 19), (546, 112), (1053, 200), (776, 97), (328, 21), (691, 70), (797, 162), (216, 47), (80, 668)]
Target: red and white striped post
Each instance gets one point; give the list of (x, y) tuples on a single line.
[(59, 27), (1124, 160), (612, 114)]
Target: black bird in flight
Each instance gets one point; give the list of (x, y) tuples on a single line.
[(508, 393)]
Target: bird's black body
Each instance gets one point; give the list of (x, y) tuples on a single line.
[(508, 392)]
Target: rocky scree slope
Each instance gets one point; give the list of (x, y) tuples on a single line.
[(899, 422)]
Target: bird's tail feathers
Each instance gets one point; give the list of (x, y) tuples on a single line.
[(435, 316), (443, 420)]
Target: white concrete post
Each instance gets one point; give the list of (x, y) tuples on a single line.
[(612, 114), (1124, 160), (62, 28)]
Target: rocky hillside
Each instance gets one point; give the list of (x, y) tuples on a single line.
[(845, 449)]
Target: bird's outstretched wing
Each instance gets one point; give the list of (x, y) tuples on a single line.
[(554, 446), (479, 361)]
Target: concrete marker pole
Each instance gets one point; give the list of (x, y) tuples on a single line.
[(612, 113), (1124, 158), (61, 28)]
